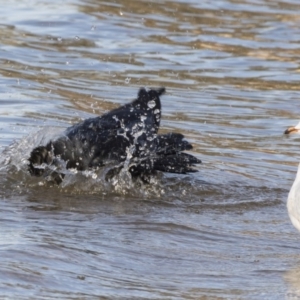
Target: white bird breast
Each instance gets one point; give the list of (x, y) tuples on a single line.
[(293, 203)]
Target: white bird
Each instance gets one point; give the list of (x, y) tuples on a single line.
[(293, 202), (293, 129)]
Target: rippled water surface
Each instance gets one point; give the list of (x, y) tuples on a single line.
[(231, 70)]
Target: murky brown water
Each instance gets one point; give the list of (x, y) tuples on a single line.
[(231, 69)]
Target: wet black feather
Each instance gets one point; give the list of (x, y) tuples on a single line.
[(128, 131)]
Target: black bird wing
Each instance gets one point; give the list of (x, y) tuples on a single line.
[(132, 127)]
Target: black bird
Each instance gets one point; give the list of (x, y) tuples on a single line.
[(126, 136)]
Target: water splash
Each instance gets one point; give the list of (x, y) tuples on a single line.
[(14, 165)]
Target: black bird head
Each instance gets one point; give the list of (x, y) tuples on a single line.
[(39, 155)]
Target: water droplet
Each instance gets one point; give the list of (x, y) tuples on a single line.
[(151, 103)]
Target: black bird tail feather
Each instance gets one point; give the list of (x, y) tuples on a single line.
[(180, 163), (170, 156)]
